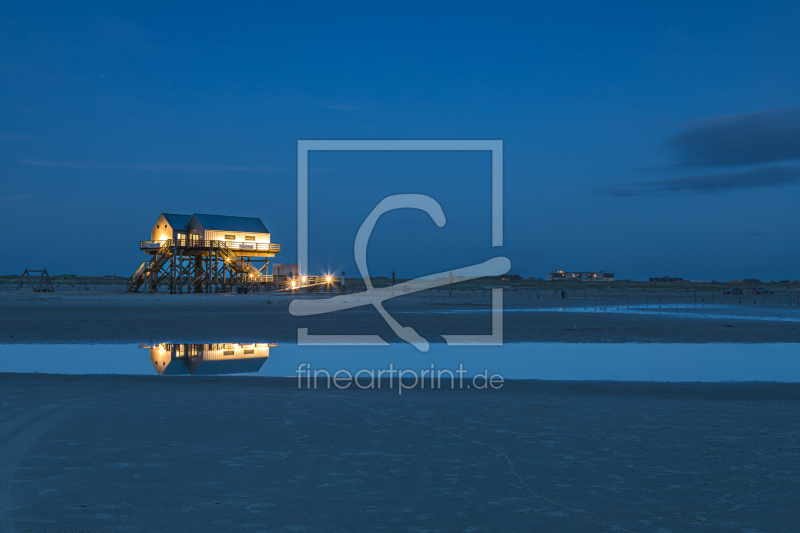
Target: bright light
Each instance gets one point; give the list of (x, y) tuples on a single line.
[(293, 284), (328, 279), (304, 279)]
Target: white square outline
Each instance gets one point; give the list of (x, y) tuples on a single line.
[(495, 146)]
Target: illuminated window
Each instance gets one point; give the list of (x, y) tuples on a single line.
[(248, 352), (250, 238), (230, 237)]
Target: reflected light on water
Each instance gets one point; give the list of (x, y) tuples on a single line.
[(208, 359), (549, 361)]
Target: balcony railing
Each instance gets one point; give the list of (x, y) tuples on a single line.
[(202, 243)]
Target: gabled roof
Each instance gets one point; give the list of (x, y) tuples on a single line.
[(225, 223), (199, 366), (177, 221)]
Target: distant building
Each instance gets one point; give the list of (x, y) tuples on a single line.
[(666, 279), (286, 269), (507, 277), (580, 276)]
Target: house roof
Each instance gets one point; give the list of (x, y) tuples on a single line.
[(226, 223), (177, 221), (200, 366)]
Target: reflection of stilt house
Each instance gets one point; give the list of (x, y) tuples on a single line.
[(207, 359), (205, 253)]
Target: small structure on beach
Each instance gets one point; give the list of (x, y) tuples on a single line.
[(40, 283), (286, 269), (561, 275)]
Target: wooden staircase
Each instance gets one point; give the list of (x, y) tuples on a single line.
[(150, 270), (249, 275)]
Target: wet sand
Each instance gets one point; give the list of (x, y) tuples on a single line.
[(121, 317), (103, 453), (130, 453)]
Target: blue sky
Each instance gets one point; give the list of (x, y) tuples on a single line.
[(641, 139)]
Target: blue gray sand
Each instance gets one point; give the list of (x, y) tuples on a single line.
[(121, 317), (131, 454)]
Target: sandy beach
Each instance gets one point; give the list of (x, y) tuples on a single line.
[(121, 317), (95, 453), (152, 453)]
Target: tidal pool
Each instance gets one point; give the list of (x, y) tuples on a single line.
[(546, 361)]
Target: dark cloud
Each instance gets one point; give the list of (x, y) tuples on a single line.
[(712, 183), (764, 137), (754, 142)]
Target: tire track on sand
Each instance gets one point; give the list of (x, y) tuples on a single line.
[(10, 425), (15, 450)]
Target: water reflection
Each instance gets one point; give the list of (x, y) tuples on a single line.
[(208, 359), (712, 362)]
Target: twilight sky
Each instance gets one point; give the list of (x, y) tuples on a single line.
[(639, 139)]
